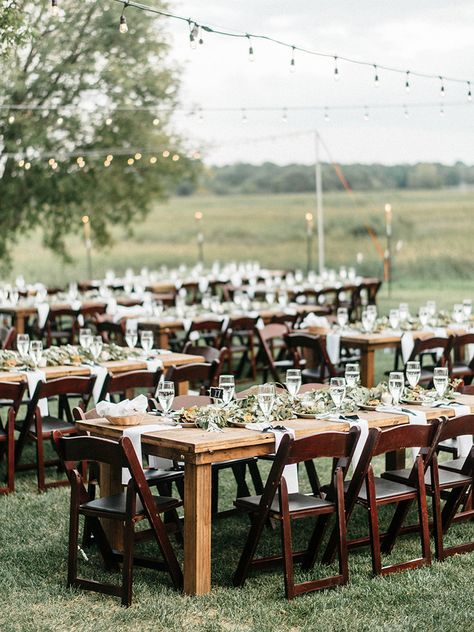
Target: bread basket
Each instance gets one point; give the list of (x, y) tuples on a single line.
[(126, 420)]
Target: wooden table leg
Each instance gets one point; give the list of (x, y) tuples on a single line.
[(197, 529), (111, 483), (182, 388), (367, 367), (19, 323)]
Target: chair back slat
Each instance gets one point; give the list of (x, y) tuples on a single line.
[(84, 448), (407, 436), (327, 444), (457, 427), (65, 386), (121, 382), (13, 391)]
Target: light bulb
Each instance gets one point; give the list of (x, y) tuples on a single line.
[(326, 115), (366, 114), (175, 158), (130, 161), (405, 111), (138, 155), (469, 93), (108, 121), (441, 110), (376, 77), (54, 7), (442, 90), (156, 121), (193, 34), (251, 55), (153, 159), (123, 26), (336, 70), (407, 82), (292, 61), (166, 153), (284, 116), (11, 119)]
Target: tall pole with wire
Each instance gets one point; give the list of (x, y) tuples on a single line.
[(86, 222), (319, 204), (388, 251)]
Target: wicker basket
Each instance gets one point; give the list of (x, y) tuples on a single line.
[(127, 420)]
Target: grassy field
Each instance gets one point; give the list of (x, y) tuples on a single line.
[(435, 259)]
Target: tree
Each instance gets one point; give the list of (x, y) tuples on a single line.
[(101, 142), (12, 31)]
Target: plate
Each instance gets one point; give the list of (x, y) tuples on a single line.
[(364, 407), (413, 402), (306, 415)]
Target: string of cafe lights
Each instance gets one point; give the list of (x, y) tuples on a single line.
[(197, 31)]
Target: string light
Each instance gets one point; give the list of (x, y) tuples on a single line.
[(175, 158), (138, 156), (110, 158), (292, 60), (123, 26), (469, 93), (326, 115), (130, 161), (366, 113), (108, 121), (60, 120), (27, 165), (251, 55), (405, 111), (442, 90), (193, 33), (284, 116), (376, 76), (21, 163), (407, 82), (336, 69), (166, 153), (156, 121), (11, 118), (244, 115), (54, 7), (153, 159)]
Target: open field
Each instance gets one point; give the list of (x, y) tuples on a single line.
[(435, 228)]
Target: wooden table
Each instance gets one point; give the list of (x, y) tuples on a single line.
[(199, 449)]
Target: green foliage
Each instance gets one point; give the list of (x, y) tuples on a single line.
[(12, 31), (79, 61)]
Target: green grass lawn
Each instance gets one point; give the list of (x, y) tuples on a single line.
[(33, 540)]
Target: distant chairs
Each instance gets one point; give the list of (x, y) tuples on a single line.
[(61, 326), (210, 355), (124, 385), (13, 393), (363, 295), (8, 338), (111, 332), (239, 338), (432, 347), (209, 331), (461, 357), (199, 374), (309, 354), (271, 338)]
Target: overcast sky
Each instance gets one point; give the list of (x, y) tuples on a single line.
[(432, 36)]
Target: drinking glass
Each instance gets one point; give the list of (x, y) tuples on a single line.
[(146, 341), (394, 319), (467, 308), (342, 317), (96, 347), (458, 313), (166, 395), (282, 298), (227, 384), (372, 312), (36, 352), (367, 323), (423, 316), (396, 383), (14, 296), (270, 297), (23, 344), (266, 399), (337, 391), (440, 380), (431, 307), (352, 374), (85, 338), (404, 312), (293, 381), (413, 373), (131, 337)]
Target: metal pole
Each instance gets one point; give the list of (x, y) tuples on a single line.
[(200, 236), (319, 205), (388, 252), (309, 242), (88, 243)]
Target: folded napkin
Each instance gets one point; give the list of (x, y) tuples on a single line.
[(333, 346), (464, 443), (43, 312), (352, 420), (312, 320), (290, 472), (407, 344), (126, 407), (414, 417), (135, 434), (100, 373), (33, 377)]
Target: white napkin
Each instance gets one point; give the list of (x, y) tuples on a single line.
[(333, 346), (363, 424), (111, 306), (134, 434), (464, 443), (154, 364), (100, 373), (43, 312), (126, 407), (414, 417), (311, 320), (407, 344), (33, 377)]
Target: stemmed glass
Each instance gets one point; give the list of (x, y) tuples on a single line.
[(266, 399), (131, 337), (394, 319), (23, 344), (166, 396), (396, 384), (367, 323), (413, 373), (440, 380), (458, 313), (342, 317), (372, 313), (337, 391), (85, 338), (146, 341), (423, 316), (96, 348), (431, 307), (36, 352), (404, 312), (293, 382), (467, 308), (352, 374), (227, 385)]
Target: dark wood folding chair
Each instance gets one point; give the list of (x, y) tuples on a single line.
[(310, 355), (91, 313), (10, 392), (210, 354), (271, 338), (285, 319), (199, 374), (209, 331), (111, 332), (239, 338), (61, 326), (129, 508), (37, 428), (276, 503), (8, 338), (460, 362), (429, 347), (124, 385)]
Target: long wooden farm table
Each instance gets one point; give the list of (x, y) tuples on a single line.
[(199, 449)]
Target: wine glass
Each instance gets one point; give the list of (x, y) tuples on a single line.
[(85, 338), (282, 298), (467, 308), (372, 313), (440, 380), (431, 307), (352, 374), (367, 323), (14, 296), (342, 317), (96, 348), (394, 319), (266, 399), (293, 381), (423, 316), (270, 297), (404, 312), (458, 313), (131, 336), (166, 395), (36, 352), (396, 383), (227, 384), (23, 344), (413, 372), (337, 391), (146, 341)]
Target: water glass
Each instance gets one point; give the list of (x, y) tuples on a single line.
[(467, 308), (270, 297), (413, 373), (352, 375), (227, 384), (458, 313), (367, 323), (423, 316), (342, 317), (293, 381), (23, 344), (36, 352), (266, 399), (96, 347), (14, 296), (396, 384), (372, 313), (131, 336), (394, 319), (166, 395), (431, 307), (440, 380), (146, 341), (337, 391), (404, 312), (85, 338)]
